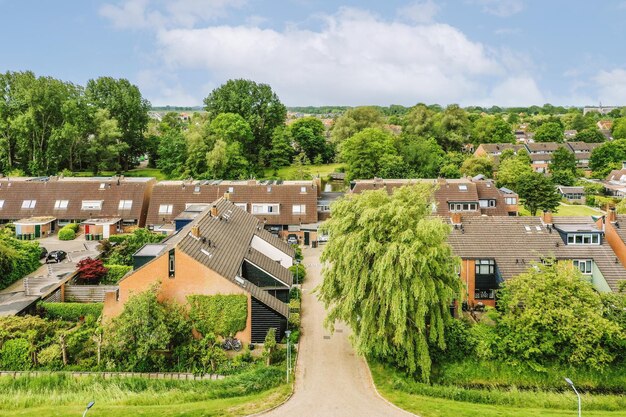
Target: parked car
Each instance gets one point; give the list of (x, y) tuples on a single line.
[(44, 252), (292, 239), (56, 256)]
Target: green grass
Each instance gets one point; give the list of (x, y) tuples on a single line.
[(64, 395), (567, 210), (139, 172), (315, 170), (451, 401)]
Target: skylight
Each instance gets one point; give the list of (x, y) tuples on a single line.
[(462, 187)]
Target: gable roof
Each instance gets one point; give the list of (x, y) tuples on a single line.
[(499, 147), (544, 146)]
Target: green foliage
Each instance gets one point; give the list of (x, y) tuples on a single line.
[(538, 192), (115, 273), (511, 170), (590, 135), (563, 167), (355, 120), (269, 345), (281, 152), (18, 258), (74, 226), (422, 157), (550, 132), (15, 355), (308, 133), (294, 320), (477, 166), (220, 315), (607, 157), (172, 153), (50, 357), (299, 273), (70, 311), (389, 272), (122, 253), (618, 130), (492, 129), (370, 153), (66, 233), (551, 315)]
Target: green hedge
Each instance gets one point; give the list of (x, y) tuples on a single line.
[(221, 315), (15, 355), (115, 273), (118, 238), (70, 311), (67, 233), (18, 258), (74, 226)]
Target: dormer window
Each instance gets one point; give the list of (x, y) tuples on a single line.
[(165, 208), (91, 205), (583, 238), (102, 186), (463, 206)]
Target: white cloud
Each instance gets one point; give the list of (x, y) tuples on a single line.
[(139, 14), (420, 11), (356, 58), (164, 89), (611, 86), (501, 8), (515, 91)]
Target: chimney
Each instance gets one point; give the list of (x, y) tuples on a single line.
[(226, 196), (456, 219), (546, 218), (611, 216), (214, 211), (195, 232)]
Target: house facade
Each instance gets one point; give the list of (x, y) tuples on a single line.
[(223, 250)]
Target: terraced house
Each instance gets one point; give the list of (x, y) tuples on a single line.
[(472, 197), (41, 205), (279, 205), (494, 249), (223, 250)]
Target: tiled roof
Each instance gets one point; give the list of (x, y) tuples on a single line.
[(543, 146), (573, 189), (515, 242), (616, 175), (270, 266), (285, 193), (537, 157), (583, 146), (46, 192), (499, 147)]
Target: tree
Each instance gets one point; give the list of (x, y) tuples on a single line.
[(300, 167), (259, 106), (452, 128), (269, 345), (550, 314), (281, 152), (563, 167), (390, 274), (231, 128), (91, 270), (538, 192), (550, 132), (479, 165), (590, 135), (363, 153), (355, 120), (308, 135), (511, 170), (607, 156), (172, 153), (618, 130), (105, 148), (492, 129), (423, 157), (419, 121), (125, 104)]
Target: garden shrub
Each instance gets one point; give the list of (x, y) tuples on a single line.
[(17, 258), (115, 273), (294, 320), (70, 311), (50, 357), (66, 233), (15, 355), (221, 315), (118, 238), (74, 226), (122, 253), (299, 273), (294, 304)]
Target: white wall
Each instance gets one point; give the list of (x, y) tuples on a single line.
[(271, 251)]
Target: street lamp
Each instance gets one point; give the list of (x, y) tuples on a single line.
[(569, 381), (287, 333), (88, 407)]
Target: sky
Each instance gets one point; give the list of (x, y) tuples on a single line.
[(325, 52)]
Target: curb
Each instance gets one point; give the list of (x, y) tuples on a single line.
[(389, 403)]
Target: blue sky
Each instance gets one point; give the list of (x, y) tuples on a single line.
[(472, 52)]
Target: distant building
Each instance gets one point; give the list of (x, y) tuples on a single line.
[(600, 109)]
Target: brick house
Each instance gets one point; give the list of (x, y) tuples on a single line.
[(224, 250)]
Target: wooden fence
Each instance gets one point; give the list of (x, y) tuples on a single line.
[(108, 375), (87, 293)]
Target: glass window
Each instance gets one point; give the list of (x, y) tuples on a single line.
[(125, 204), (165, 208), (303, 189), (584, 265), (299, 209), (243, 206), (484, 203), (61, 204), (492, 203), (578, 239), (231, 189), (1, 203), (463, 187), (510, 200), (29, 204), (91, 205)]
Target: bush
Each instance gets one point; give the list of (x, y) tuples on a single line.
[(15, 355), (115, 273), (91, 270), (70, 311), (17, 258), (50, 357), (299, 273), (294, 320), (294, 304), (295, 294), (118, 238), (66, 233), (74, 226), (221, 315)]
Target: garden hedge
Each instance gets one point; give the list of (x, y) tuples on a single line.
[(221, 315), (71, 311), (115, 273), (67, 233)]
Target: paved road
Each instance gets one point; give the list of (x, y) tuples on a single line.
[(331, 380)]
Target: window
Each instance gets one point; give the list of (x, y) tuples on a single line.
[(165, 208), (510, 200), (243, 206), (299, 209), (61, 204), (269, 189), (484, 203), (91, 205), (125, 204), (585, 265), (303, 190), (1, 204), (231, 190), (463, 206), (29, 204), (265, 209), (583, 239), (463, 187), (485, 279), (201, 206), (323, 208), (485, 267), (102, 186), (171, 263), (196, 189)]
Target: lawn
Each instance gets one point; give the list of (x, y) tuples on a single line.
[(315, 170), (488, 403), (568, 210)]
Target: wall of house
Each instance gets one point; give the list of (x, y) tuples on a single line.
[(598, 281), (190, 278), (468, 278)]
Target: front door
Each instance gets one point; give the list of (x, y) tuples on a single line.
[(37, 230), (306, 238)]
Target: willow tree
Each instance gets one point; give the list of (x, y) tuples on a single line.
[(390, 274)]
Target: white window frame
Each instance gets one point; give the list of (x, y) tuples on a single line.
[(584, 239), (231, 190), (302, 190), (124, 203), (243, 206), (266, 208), (325, 208), (29, 204), (462, 187), (298, 209), (61, 204), (510, 200), (483, 203), (1, 204), (166, 208), (87, 205), (585, 266)]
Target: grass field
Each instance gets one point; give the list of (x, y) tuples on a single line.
[(315, 170), (489, 403), (139, 172), (568, 210), (62, 395)]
